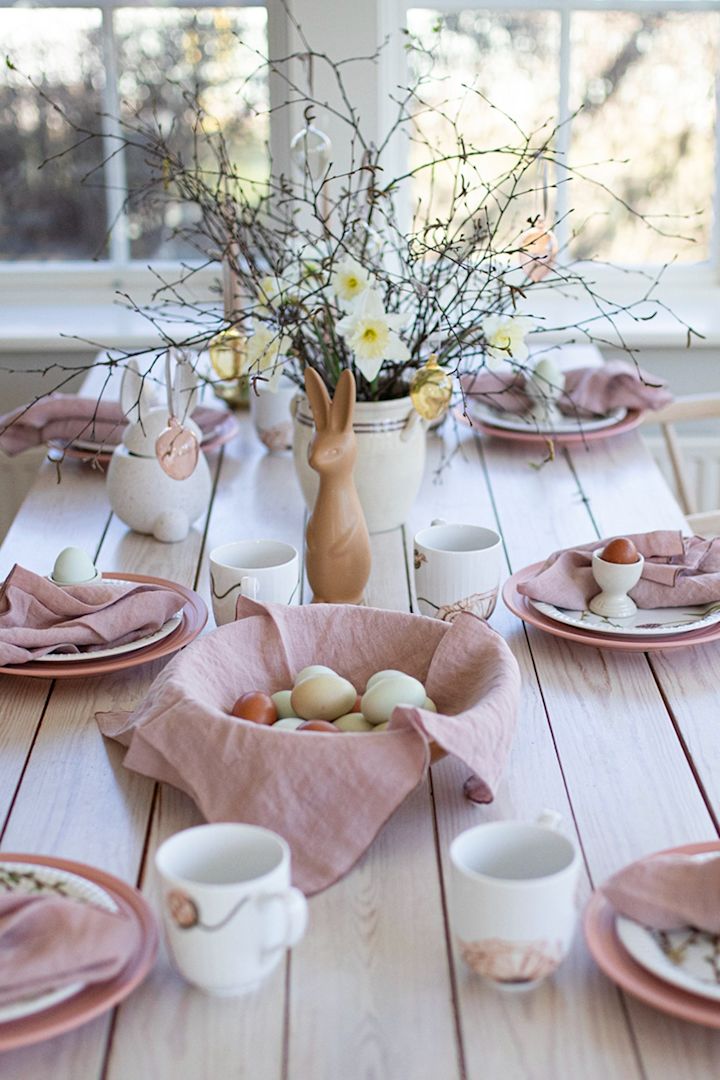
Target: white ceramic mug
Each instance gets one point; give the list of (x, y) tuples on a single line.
[(229, 911), (270, 410), (457, 568), (265, 570), (513, 905)]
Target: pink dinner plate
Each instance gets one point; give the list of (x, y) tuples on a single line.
[(519, 605), (569, 438), (223, 431), (618, 965), (98, 998), (194, 612)]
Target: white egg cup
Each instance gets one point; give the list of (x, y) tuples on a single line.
[(615, 580)]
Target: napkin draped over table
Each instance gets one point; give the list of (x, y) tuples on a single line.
[(679, 571), (66, 417), (588, 392), (38, 617), (48, 941), (328, 796), (669, 891)]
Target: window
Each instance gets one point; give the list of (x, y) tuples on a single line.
[(634, 92), (133, 65)]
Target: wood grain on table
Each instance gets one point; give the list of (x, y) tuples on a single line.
[(625, 746)]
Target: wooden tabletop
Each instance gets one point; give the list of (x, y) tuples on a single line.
[(625, 746)]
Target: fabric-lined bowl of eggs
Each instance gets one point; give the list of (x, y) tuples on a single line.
[(323, 700)]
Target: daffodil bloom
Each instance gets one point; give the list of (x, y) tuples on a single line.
[(505, 338), (272, 292), (349, 280), (264, 352), (371, 334)]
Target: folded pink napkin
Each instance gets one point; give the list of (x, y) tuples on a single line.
[(47, 942), (327, 794), (590, 391), (38, 617), (679, 571), (669, 891), (66, 417)]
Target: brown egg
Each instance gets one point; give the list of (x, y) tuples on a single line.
[(356, 706), (255, 706), (620, 550), (318, 725)]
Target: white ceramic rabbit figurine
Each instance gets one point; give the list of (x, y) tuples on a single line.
[(140, 492)]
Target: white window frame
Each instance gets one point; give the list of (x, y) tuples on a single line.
[(337, 28)]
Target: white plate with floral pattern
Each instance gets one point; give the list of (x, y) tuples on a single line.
[(565, 425), (646, 622), (686, 958), (34, 878)]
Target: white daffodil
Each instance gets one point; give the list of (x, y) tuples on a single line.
[(265, 353), (505, 338), (349, 280), (372, 335)]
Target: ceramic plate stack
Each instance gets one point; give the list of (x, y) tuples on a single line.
[(217, 429), (36, 1017), (567, 431), (173, 635), (677, 972), (648, 630)]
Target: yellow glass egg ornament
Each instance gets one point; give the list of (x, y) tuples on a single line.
[(228, 353), (431, 390)]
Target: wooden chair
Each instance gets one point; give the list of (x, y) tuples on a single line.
[(683, 409)]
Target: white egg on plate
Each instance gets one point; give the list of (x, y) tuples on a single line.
[(323, 697), (74, 566), (378, 702)]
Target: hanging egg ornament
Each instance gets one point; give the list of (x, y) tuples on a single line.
[(431, 390), (228, 353), (538, 250), (310, 151)]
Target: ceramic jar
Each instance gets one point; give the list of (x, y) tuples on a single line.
[(390, 459)]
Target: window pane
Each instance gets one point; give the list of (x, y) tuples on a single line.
[(646, 86), (162, 55), (51, 213), (511, 58)]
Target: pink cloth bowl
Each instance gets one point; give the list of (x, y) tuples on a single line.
[(327, 794)]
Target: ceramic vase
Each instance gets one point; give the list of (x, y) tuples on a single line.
[(390, 458)]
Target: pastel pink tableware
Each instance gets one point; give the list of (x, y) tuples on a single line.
[(194, 617), (98, 998), (633, 419), (612, 958)]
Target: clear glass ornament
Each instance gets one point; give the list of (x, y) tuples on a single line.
[(310, 151)]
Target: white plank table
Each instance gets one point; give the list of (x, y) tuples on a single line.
[(625, 746)]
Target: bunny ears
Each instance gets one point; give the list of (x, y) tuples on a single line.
[(337, 415)]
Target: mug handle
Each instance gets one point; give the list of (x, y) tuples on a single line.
[(295, 910), (549, 819), (249, 587)]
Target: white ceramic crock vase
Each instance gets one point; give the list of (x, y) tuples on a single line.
[(390, 460)]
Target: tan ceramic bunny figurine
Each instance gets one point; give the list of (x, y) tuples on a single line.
[(338, 543)]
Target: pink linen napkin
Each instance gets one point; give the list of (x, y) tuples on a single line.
[(49, 941), (328, 795), (66, 417), (679, 571), (666, 892), (38, 617), (590, 391)]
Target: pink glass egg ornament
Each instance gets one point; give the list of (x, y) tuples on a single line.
[(538, 250)]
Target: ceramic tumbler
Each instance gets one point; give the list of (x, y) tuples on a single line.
[(229, 911), (270, 410), (457, 568), (512, 899), (264, 570)]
